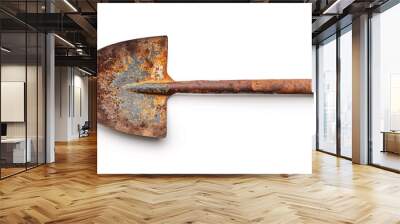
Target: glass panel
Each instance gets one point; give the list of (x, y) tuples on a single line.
[(385, 89), (13, 87), (41, 98), (327, 96), (346, 93), (32, 89), (31, 99), (22, 88)]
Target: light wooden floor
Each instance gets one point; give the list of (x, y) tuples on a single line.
[(387, 159), (10, 171), (5, 172), (70, 191)]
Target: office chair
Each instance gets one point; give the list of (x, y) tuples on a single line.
[(84, 130)]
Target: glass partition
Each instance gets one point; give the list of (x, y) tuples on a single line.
[(31, 99), (13, 94), (22, 67), (327, 96), (41, 97)]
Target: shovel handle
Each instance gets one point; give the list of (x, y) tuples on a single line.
[(271, 86)]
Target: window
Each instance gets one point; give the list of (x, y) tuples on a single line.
[(385, 89), (327, 96), (346, 92)]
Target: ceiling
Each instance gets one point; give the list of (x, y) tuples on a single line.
[(75, 22)]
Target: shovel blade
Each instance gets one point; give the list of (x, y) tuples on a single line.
[(128, 62)]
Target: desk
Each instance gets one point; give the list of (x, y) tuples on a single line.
[(13, 150), (391, 141)]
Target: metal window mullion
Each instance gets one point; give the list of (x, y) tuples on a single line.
[(45, 95), (369, 90), (26, 87), (338, 98), (317, 95), (45, 89), (37, 91)]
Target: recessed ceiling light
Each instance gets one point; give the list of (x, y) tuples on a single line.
[(70, 5), (64, 40), (86, 72), (5, 50), (338, 6)]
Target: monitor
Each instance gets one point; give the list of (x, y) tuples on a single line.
[(3, 129)]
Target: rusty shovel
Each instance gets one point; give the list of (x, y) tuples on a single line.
[(133, 86)]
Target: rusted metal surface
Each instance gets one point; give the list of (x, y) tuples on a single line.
[(133, 86), (127, 62), (271, 86)]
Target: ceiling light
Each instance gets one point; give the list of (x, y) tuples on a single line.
[(338, 6), (70, 5), (86, 72), (5, 50), (64, 40), (79, 51)]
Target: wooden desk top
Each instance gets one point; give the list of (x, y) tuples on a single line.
[(13, 140), (390, 132)]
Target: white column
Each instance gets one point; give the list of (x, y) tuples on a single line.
[(50, 92), (360, 90), (50, 100)]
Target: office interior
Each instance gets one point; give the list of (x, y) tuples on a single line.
[(33, 63), (48, 86), (28, 44), (335, 74)]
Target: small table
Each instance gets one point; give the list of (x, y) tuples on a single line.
[(391, 141), (16, 153)]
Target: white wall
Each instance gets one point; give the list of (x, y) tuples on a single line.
[(16, 73), (218, 133), (314, 78), (81, 94), (13, 101), (69, 81), (61, 103)]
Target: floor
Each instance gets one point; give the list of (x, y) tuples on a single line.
[(10, 171), (70, 191), (387, 159), (5, 172)]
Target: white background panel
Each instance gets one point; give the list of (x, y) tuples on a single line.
[(218, 133)]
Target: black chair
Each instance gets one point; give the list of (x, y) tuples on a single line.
[(84, 130)]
